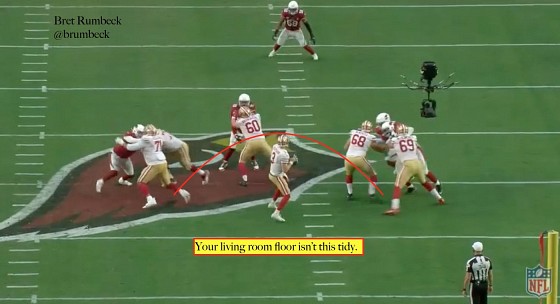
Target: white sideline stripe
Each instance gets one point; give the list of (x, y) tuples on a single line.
[(464, 183), (291, 71), (34, 72), (315, 193), (315, 204), (292, 79), (24, 250), (36, 38), (328, 272), (46, 30), (303, 133), (317, 215), (296, 97), (23, 262), (18, 184), (272, 14), (30, 154), (35, 55), (30, 145), (300, 106), (330, 284), (33, 80), (25, 194), (246, 297), (31, 116), (33, 97), (339, 46), (299, 115), (22, 286), (37, 22), (24, 274), (34, 14), (371, 237), (34, 63), (29, 164), (32, 107), (31, 126), (19, 205), (29, 174), (504, 87), (319, 226)]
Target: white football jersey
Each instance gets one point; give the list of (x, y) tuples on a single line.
[(360, 142), (151, 147), (278, 157), (406, 147), (251, 126), (170, 142)]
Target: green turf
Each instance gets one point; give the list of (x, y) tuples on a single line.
[(191, 91)]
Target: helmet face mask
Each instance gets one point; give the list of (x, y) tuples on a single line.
[(283, 141), (293, 7), (367, 126), (244, 100)]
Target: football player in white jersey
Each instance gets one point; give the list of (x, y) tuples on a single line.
[(384, 122), (151, 146), (176, 150), (255, 143), (356, 147), (280, 164), (408, 165)]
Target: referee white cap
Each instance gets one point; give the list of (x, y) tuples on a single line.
[(477, 246)]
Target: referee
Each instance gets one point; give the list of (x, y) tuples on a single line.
[(479, 275)]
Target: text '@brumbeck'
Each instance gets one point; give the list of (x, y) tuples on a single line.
[(73, 32)]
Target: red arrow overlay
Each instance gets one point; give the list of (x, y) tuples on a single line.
[(279, 133)]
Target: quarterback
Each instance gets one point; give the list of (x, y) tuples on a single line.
[(280, 164)]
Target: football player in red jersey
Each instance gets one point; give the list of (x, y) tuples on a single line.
[(235, 136), (391, 158), (120, 159), (292, 18)]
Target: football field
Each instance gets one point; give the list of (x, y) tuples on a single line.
[(180, 64)]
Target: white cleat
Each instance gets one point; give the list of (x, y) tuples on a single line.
[(272, 205), (315, 56), (277, 217), (150, 202), (99, 185), (186, 195), (124, 182), (206, 177), (271, 54), (255, 165), (223, 166)]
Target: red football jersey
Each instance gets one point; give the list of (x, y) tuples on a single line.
[(292, 22), (121, 151)]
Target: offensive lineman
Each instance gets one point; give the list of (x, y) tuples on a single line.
[(292, 18)]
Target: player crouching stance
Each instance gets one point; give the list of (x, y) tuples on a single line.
[(357, 147), (292, 18), (408, 165), (120, 160), (280, 164), (151, 147)]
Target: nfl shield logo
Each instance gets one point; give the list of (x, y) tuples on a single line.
[(538, 280)]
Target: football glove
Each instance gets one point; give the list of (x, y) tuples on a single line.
[(275, 36), (238, 137), (294, 160), (312, 40)]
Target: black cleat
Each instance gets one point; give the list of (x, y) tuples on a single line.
[(438, 188), (243, 183), (410, 189), (349, 196)]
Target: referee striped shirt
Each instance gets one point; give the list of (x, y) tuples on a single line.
[(479, 266)]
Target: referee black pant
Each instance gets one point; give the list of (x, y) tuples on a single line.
[(479, 292)]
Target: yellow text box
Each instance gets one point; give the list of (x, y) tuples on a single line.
[(278, 246)]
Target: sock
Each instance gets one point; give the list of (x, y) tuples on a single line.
[(229, 153), (371, 188), (200, 172), (110, 175), (349, 181), (172, 187), (396, 192), (242, 170), (144, 189), (283, 202), (276, 195), (395, 203), (309, 49), (435, 194), (127, 177), (428, 186), (276, 47), (432, 177)]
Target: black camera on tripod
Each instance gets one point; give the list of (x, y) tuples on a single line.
[(428, 72)]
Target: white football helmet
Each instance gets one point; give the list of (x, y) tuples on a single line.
[(244, 99), (283, 140), (138, 130), (387, 129), (382, 118), (150, 129), (293, 7)]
